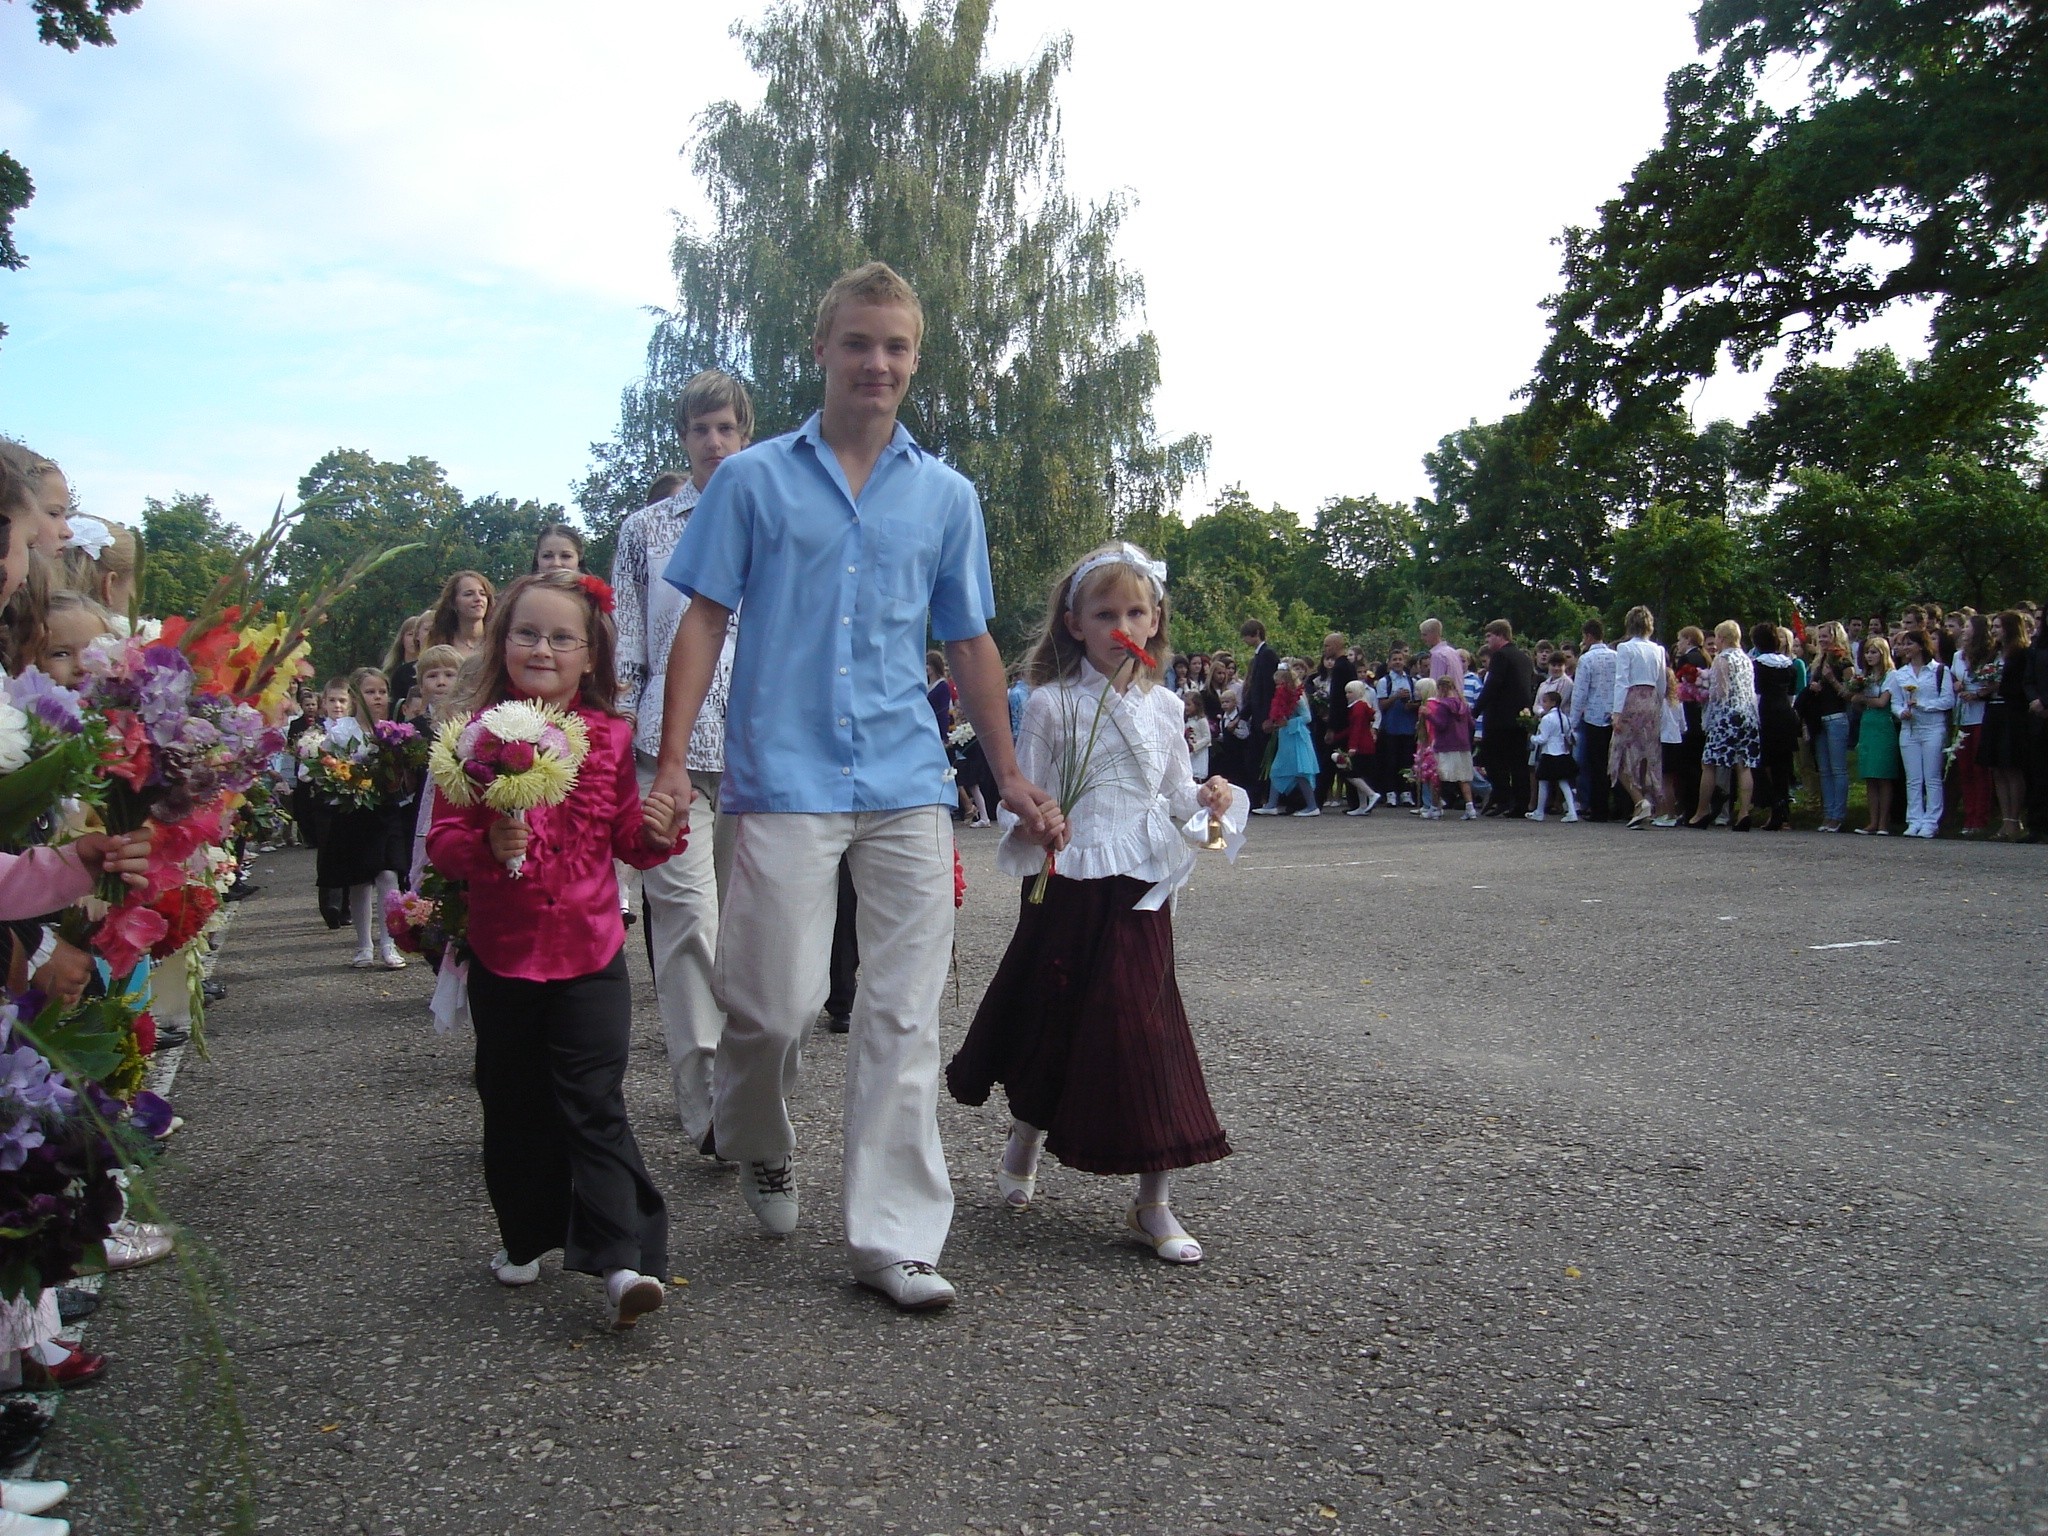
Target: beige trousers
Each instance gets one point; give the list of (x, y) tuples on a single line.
[(681, 897), (774, 954)]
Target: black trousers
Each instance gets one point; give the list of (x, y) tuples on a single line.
[(1394, 757), (845, 947), (1507, 767), (560, 1162)]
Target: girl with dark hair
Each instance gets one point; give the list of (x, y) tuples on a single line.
[(559, 548), (548, 989)]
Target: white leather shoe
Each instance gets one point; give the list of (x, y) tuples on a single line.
[(912, 1284), (632, 1295), (27, 1498), (133, 1244), (32, 1525), (505, 1272), (770, 1193)]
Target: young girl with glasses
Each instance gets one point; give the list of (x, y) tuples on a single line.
[(548, 991)]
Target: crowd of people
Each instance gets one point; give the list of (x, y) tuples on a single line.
[(1943, 717), (135, 759)]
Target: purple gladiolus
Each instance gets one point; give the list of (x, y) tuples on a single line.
[(150, 1114)]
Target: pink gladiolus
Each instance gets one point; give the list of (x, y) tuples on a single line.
[(127, 935)]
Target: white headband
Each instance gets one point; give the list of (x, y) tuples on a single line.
[(90, 535), (1123, 554)]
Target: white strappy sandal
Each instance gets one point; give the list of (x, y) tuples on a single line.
[(1180, 1249)]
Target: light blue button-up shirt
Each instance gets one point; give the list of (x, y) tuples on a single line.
[(827, 709)]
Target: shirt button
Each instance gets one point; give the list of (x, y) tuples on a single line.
[(851, 569), (844, 721), (847, 771), (842, 671), (846, 618)]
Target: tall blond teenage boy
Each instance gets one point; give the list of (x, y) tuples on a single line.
[(839, 545), (715, 417)]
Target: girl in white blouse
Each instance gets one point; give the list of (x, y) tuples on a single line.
[(1923, 696), (1083, 1023)]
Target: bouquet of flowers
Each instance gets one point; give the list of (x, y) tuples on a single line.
[(961, 737), (432, 917), (1075, 767), (50, 751), (175, 745), (398, 758), (56, 1199), (336, 768), (513, 757)]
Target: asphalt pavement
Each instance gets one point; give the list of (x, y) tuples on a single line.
[(1585, 1180)]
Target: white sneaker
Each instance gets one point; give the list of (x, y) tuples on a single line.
[(770, 1193), (1533, 816), (1314, 810), (1665, 821), (631, 1295), (1432, 814), (505, 1272), (1265, 810), (1359, 810), (1569, 816), (389, 957), (32, 1525), (131, 1245), (911, 1283), (31, 1498), (1471, 813)]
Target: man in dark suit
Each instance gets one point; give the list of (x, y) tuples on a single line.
[(1259, 673), (1334, 676), (1509, 689)]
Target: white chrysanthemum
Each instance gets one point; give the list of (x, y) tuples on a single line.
[(13, 738), (515, 720)]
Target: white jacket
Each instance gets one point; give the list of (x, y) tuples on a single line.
[(1131, 820)]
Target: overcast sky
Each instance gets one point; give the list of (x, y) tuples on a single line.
[(268, 228)]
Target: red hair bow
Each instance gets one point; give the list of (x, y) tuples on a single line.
[(600, 592)]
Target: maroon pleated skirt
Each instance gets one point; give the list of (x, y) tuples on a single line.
[(1083, 1026)]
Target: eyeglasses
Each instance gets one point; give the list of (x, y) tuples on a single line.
[(532, 640)]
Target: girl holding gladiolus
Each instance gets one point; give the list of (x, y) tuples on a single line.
[(1083, 1023), (548, 991)]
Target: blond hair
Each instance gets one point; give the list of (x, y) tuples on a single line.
[(1728, 635), (716, 390), (438, 657), (1055, 652), (875, 282)]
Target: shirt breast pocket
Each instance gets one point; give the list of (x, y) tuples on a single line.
[(906, 553)]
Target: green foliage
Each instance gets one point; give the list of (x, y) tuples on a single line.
[(17, 190), (880, 136), (353, 502), (67, 23), (187, 547), (1917, 168), (1688, 570)]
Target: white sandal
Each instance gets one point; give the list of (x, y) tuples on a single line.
[(1180, 1249)]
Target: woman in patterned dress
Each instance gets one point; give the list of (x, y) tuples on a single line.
[(1734, 739)]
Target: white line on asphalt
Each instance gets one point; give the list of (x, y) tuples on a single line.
[(1856, 944), (1327, 864)]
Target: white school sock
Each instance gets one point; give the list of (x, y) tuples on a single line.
[(361, 901)]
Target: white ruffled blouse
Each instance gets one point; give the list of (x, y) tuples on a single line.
[(1142, 817)]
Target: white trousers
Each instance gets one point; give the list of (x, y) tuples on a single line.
[(1923, 747), (681, 900), (774, 956)]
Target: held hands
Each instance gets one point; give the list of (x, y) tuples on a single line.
[(123, 854), (1215, 795), (659, 817), (509, 839), (1038, 814)]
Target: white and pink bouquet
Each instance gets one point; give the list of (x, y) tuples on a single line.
[(512, 757)]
